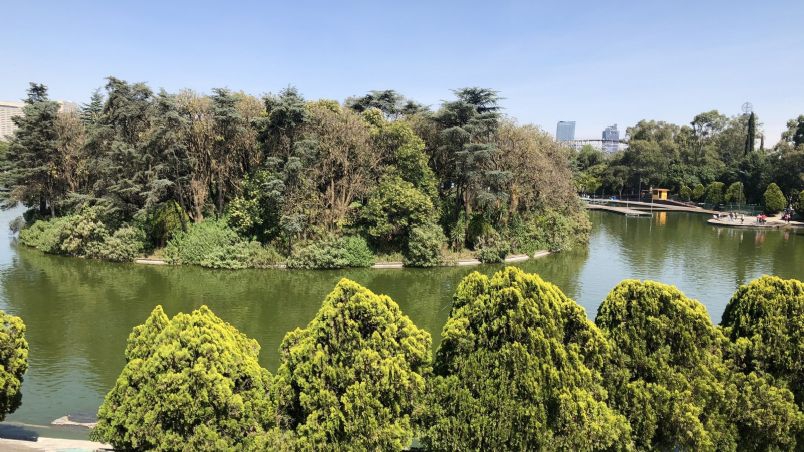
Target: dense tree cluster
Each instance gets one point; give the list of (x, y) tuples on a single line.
[(712, 149), (286, 173), (520, 367)]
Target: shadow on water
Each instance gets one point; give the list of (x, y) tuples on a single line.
[(80, 312)]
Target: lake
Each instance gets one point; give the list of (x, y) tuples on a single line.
[(79, 312)]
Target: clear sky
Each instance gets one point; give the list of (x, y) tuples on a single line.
[(594, 62)]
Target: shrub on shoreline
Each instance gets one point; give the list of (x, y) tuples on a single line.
[(343, 252), (84, 235), (214, 244)]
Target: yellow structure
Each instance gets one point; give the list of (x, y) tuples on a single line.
[(659, 194)]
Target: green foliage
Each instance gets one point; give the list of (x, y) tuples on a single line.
[(735, 193), (714, 193), (13, 362), (698, 192), (519, 369), (424, 246), (353, 377), (765, 319), (393, 209), (125, 245), (190, 383), (343, 252), (168, 219), (84, 235), (669, 377), (214, 244), (492, 252), (685, 193), (774, 199)]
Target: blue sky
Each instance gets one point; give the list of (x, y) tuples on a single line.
[(591, 62)]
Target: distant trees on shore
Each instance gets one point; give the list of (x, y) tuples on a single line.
[(713, 148), (286, 173), (519, 367)]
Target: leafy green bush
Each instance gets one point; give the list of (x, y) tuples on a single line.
[(735, 193), (353, 377), (493, 252), (698, 192), (84, 235), (519, 368), (126, 244), (214, 244), (685, 193), (774, 199), (671, 378), (394, 208), (190, 383), (765, 319), (343, 252), (13, 362), (424, 246), (714, 193)]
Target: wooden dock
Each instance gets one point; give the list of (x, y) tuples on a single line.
[(619, 209)]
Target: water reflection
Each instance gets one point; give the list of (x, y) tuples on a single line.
[(79, 312)]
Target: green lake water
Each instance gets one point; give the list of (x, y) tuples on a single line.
[(79, 312)]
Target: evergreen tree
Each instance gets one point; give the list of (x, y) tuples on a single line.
[(190, 383), (774, 199), (353, 377), (13, 362), (750, 137), (91, 112), (735, 193), (765, 320), (670, 377), (33, 156), (519, 368)]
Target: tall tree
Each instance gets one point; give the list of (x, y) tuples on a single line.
[(750, 137), (33, 155)]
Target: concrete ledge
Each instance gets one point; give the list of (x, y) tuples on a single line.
[(388, 265), (148, 261), (517, 258), (465, 262)]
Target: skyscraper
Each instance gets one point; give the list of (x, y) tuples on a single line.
[(611, 139), (565, 131)]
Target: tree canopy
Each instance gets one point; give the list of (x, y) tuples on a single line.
[(519, 368), (190, 383), (353, 377), (13, 362), (671, 378)]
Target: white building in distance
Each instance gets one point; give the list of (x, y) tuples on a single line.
[(9, 109)]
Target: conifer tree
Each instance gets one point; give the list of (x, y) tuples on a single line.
[(190, 383), (765, 320), (519, 368), (13, 362), (671, 377), (32, 154), (352, 378)]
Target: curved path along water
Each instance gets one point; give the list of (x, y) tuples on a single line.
[(79, 312)]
